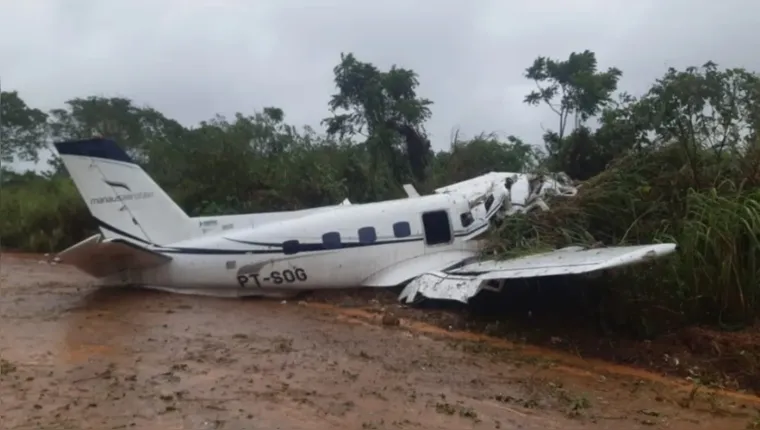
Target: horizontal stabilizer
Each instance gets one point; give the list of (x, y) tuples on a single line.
[(100, 258), (463, 283)]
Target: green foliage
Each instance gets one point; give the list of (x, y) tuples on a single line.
[(573, 87), (385, 108), (679, 163), (38, 214), (22, 129), (686, 165), (651, 197), (482, 154), (247, 163)]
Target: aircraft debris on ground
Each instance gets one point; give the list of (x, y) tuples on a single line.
[(426, 242)]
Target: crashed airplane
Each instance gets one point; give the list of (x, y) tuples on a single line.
[(426, 243)]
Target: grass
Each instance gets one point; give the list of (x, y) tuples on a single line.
[(709, 206), (42, 215)]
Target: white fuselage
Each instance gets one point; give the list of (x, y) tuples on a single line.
[(214, 224), (147, 239), (345, 246)]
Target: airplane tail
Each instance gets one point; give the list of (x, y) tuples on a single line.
[(123, 199), (104, 258)]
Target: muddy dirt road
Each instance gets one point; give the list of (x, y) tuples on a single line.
[(75, 357)]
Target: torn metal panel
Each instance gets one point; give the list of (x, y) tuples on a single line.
[(465, 282), (441, 286), (525, 191)]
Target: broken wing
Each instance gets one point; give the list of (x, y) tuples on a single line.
[(465, 282)]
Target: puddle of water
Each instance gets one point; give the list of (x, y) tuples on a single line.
[(103, 323), (80, 353)]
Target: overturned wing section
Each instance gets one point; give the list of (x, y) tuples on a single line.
[(411, 191), (102, 258), (463, 283)]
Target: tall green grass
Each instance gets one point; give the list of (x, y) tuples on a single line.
[(42, 215), (708, 205)]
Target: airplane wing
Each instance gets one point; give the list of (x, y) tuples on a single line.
[(409, 269), (411, 191), (463, 283), (100, 258)]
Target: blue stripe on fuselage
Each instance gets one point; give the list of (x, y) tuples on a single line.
[(295, 249)]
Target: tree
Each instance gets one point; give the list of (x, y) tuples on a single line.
[(705, 107), (583, 91), (23, 130), (482, 154), (385, 109), (573, 87), (136, 128)]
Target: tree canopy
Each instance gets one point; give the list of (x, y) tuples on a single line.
[(669, 162)]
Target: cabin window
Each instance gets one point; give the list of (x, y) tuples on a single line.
[(290, 247), (466, 218), (402, 229), (367, 235), (437, 227), (489, 202), (331, 240)]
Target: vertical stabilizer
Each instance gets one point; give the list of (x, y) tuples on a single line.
[(124, 200)]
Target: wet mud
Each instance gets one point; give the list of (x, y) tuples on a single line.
[(74, 356)]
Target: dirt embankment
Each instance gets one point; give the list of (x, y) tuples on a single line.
[(554, 322), (78, 357)]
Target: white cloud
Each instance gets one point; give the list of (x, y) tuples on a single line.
[(192, 58)]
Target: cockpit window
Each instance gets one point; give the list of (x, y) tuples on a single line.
[(489, 202), (466, 218)]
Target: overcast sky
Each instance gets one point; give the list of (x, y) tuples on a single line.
[(193, 58)]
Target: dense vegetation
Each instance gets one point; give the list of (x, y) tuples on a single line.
[(680, 162)]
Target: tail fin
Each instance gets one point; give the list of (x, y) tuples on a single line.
[(121, 196)]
